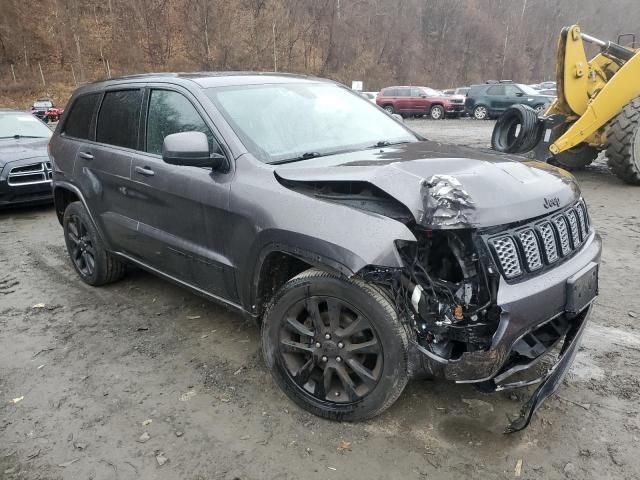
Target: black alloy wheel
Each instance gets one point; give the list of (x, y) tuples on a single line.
[(90, 258), (330, 349), (82, 251), (335, 345)]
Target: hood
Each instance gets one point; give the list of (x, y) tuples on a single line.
[(447, 186), (22, 148)]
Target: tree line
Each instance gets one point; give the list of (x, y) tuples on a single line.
[(439, 43)]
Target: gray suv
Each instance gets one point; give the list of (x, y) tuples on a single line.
[(367, 255)]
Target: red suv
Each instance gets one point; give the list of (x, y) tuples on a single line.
[(420, 101)]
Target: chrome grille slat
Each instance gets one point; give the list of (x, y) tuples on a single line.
[(563, 233), (31, 174), (529, 248), (573, 224), (549, 241), (507, 253)]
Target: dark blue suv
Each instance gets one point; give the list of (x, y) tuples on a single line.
[(491, 99)]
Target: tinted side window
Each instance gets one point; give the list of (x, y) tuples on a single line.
[(118, 118), (512, 90), (495, 90), (390, 92), (404, 92), (416, 92), (170, 112), (79, 121)]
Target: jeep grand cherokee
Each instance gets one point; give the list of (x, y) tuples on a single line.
[(367, 254)]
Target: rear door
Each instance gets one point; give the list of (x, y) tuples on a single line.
[(103, 164), (404, 101), (495, 98), (182, 211)]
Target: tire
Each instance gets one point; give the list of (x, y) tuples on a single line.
[(480, 112), (436, 113), (576, 158), (93, 263), (508, 138), (623, 144), (389, 109), (539, 109), (308, 365)]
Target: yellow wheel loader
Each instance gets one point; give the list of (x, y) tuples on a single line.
[(597, 108)]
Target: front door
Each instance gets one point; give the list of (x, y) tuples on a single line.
[(182, 211)]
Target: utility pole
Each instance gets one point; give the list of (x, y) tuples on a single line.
[(275, 53), (42, 75)]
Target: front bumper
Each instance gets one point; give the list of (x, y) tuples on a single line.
[(537, 317), (526, 306), (454, 108)]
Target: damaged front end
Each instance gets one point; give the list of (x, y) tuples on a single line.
[(462, 328)]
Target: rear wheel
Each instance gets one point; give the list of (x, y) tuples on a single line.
[(389, 109), (335, 346), (480, 112), (436, 113), (94, 264), (623, 144)]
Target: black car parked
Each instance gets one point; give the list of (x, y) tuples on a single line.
[(367, 255), (25, 169), (489, 100)]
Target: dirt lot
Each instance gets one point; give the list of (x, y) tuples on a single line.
[(91, 370)]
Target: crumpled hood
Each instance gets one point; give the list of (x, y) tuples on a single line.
[(446, 186), (22, 148)]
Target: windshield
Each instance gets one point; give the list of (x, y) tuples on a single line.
[(281, 122), (529, 90), (22, 125), (431, 92)]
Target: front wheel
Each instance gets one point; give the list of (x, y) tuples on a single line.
[(437, 112), (335, 346), (480, 112)]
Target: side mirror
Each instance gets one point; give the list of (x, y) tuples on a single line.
[(399, 118), (190, 149), (519, 94), (423, 96)]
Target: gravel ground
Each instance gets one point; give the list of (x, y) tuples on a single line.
[(141, 379)]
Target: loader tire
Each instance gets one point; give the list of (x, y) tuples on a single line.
[(623, 144), (508, 138), (576, 158)]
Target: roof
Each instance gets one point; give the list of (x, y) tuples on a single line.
[(213, 79)]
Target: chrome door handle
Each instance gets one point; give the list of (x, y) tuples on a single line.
[(85, 155), (145, 171)]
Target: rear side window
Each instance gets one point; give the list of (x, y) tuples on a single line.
[(78, 122), (118, 118), (495, 90), (390, 92), (404, 92), (171, 112)]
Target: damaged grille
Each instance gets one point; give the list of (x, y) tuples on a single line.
[(30, 174), (541, 243)]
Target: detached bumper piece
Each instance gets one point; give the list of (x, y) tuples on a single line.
[(551, 379)]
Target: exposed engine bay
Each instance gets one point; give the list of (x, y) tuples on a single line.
[(448, 294)]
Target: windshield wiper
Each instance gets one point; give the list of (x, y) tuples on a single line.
[(386, 143), (17, 136), (304, 156)]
